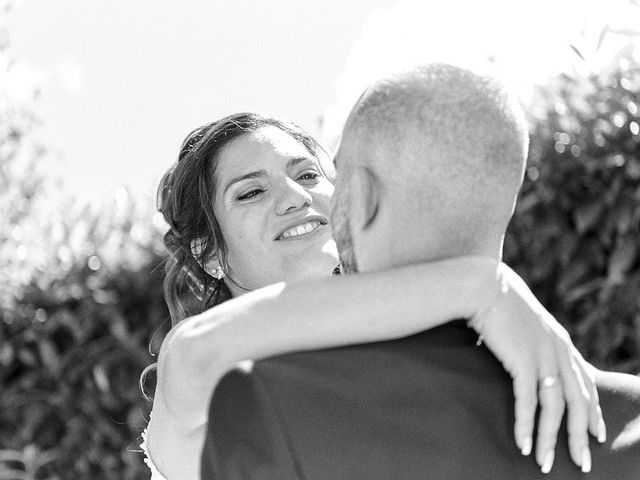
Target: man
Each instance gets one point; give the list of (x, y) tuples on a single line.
[(429, 164)]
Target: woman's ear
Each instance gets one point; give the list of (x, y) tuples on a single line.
[(365, 197), (211, 265)]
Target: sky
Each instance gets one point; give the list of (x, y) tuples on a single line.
[(123, 82)]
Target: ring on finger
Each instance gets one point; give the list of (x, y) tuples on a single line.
[(548, 382)]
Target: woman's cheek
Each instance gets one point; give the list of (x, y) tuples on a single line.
[(251, 228), (326, 193), (322, 190), (329, 188)]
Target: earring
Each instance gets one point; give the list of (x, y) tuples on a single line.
[(218, 273)]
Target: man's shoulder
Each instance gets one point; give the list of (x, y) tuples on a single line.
[(434, 392), (452, 343), (372, 410), (388, 382)]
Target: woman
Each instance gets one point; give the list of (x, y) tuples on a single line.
[(248, 205)]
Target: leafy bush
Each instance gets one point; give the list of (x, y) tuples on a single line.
[(575, 237), (74, 342), (80, 305)]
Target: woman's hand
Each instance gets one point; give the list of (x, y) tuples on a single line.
[(546, 369)]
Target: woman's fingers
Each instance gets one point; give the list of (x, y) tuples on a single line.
[(552, 405), (597, 426), (526, 398), (578, 405)]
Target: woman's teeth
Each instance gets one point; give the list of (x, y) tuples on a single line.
[(300, 229)]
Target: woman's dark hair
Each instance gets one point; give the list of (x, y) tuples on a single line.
[(185, 198)]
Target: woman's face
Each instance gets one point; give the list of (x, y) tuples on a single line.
[(272, 204)]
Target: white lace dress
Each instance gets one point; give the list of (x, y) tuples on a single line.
[(155, 474)]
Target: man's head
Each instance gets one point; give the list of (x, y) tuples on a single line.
[(430, 164)]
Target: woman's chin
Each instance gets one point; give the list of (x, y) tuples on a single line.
[(317, 260), (318, 268)]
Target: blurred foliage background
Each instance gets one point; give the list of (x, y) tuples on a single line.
[(575, 235), (81, 300)]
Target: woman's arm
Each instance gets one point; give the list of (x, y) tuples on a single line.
[(345, 310), (315, 314)]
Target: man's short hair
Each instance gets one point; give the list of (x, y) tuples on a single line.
[(447, 139)]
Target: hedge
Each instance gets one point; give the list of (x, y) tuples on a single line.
[(575, 236)]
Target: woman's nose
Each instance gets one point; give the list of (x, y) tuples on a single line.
[(293, 196)]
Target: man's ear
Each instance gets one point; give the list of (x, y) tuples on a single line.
[(365, 197), (211, 265)]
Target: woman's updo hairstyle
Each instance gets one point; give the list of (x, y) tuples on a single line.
[(185, 198)]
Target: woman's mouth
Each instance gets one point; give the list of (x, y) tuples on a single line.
[(303, 229)]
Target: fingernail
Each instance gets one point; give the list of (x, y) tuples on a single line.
[(548, 462), (586, 460), (526, 446), (602, 431)]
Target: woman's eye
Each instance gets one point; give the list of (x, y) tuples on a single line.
[(250, 194), (310, 175)]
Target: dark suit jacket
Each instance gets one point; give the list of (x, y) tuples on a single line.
[(430, 406)]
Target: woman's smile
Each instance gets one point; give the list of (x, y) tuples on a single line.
[(302, 229)]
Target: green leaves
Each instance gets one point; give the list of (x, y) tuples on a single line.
[(622, 258), (587, 215), (575, 236)]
